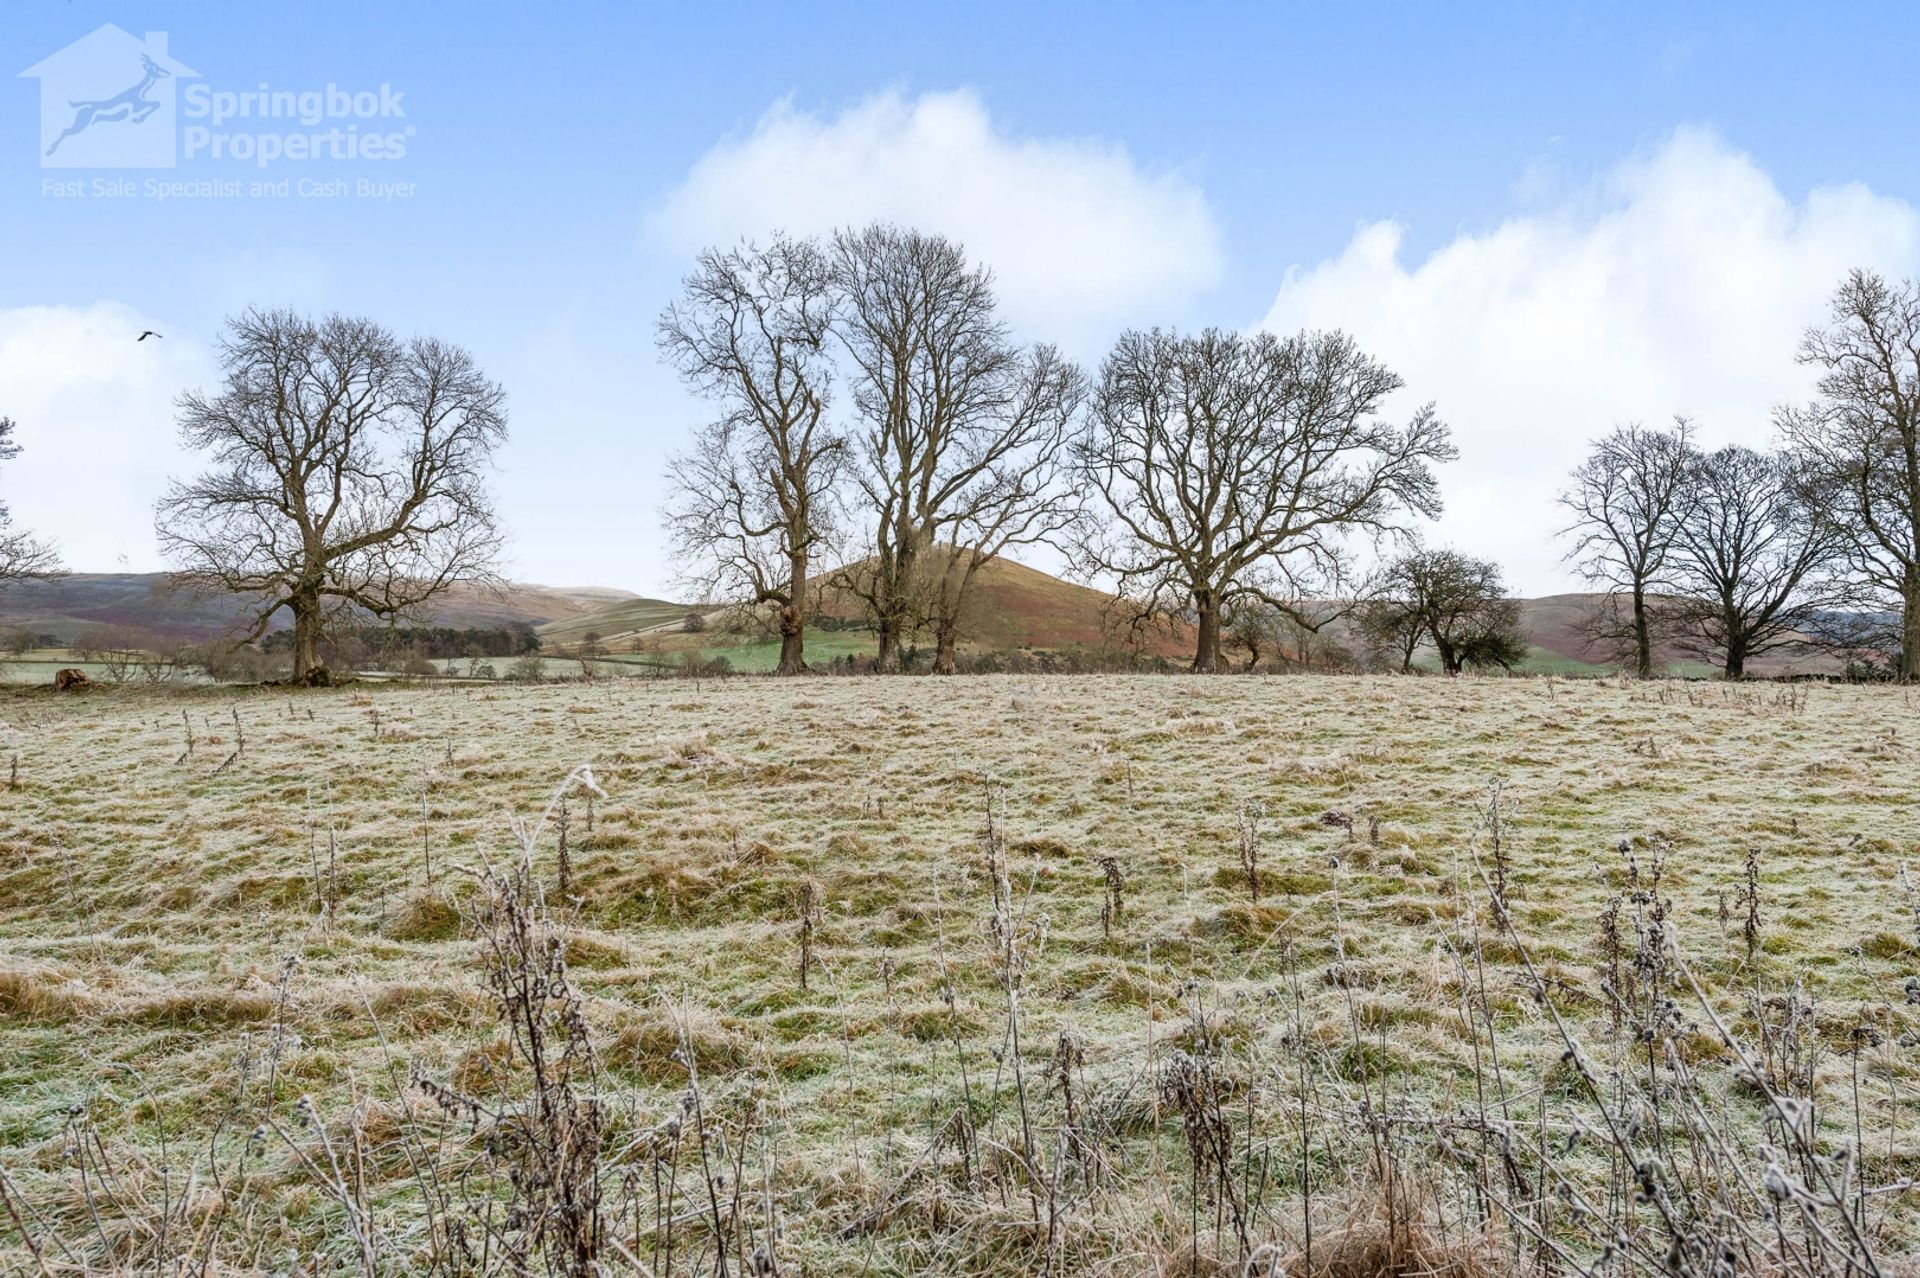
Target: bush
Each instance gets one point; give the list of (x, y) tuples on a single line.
[(695, 666), (694, 624)]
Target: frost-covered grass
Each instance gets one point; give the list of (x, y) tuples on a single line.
[(194, 937)]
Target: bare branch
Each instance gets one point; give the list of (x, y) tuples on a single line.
[(23, 556)]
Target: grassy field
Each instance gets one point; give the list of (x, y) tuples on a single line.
[(955, 976)]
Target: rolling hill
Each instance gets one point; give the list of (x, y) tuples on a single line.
[(70, 606), (1012, 607)]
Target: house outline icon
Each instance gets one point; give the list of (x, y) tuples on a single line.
[(108, 101)]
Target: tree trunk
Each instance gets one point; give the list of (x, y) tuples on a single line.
[(1206, 656), (895, 605), (793, 626), (306, 637), (793, 619), (1642, 637), (1735, 664), (1909, 623), (948, 596), (946, 639)]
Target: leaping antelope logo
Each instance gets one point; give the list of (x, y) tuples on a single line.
[(132, 106)]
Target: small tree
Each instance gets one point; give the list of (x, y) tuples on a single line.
[(1391, 631), (1232, 468), (22, 555), (1628, 500), (1252, 627), (753, 499), (1455, 602), (118, 651), (347, 474), (1752, 558), (16, 642)]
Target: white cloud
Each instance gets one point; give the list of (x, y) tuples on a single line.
[(1079, 237), (94, 411), (1680, 284)]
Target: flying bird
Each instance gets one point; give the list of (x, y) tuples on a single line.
[(149, 333)]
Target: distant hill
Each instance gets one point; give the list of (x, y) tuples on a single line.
[(1012, 606), (72, 605)]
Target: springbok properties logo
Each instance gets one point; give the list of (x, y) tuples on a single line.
[(111, 100), (108, 101)]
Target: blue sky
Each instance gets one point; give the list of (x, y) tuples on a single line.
[(1672, 187)]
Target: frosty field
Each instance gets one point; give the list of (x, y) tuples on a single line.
[(923, 975)]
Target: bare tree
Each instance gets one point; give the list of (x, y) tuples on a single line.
[(1014, 497), (348, 474), (119, 651), (1233, 468), (754, 498), (1457, 603), (1751, 558), (1861, 440), (928, 355), (959, 431), (1627, 500), (22, 555)]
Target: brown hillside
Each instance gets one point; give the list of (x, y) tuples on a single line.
[(1013, 606)]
